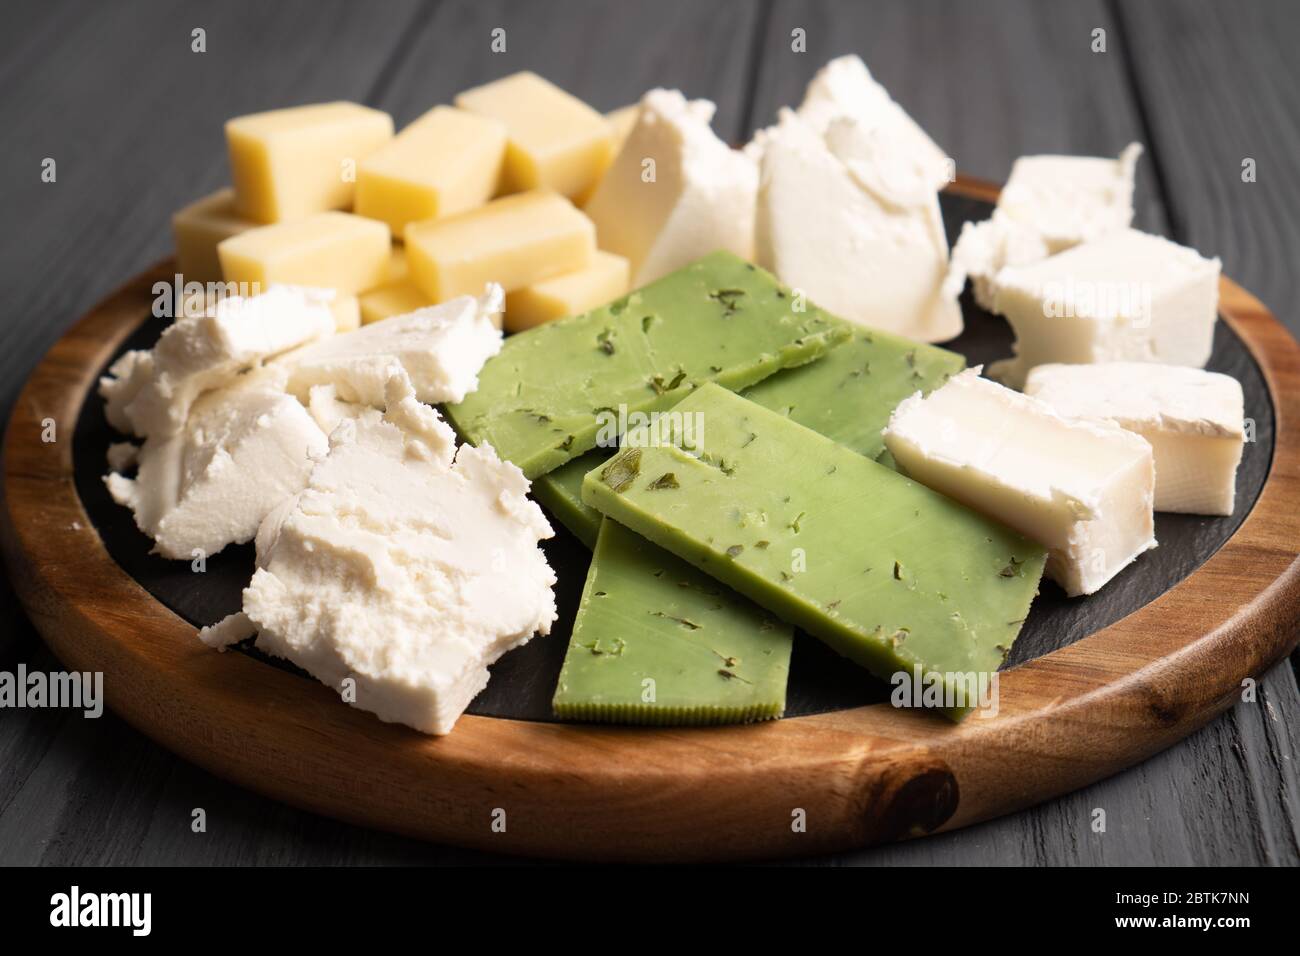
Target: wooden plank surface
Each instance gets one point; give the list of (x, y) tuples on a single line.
[(1200, 87)]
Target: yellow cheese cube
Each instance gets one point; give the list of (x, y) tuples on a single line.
[(347, 313), (199, 227), (290, 163), (570, 294), (396, 298), (396, 270), (556, 141), (336, 250), (620, 123), (514, 241), (445, 162)]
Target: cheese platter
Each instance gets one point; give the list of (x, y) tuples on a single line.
[(762, 532)]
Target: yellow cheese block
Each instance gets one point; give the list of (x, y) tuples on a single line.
[(336, 250), (199, 227), (620, 123), (396, 270), (570, 294), (347, 313), (514, 241), (396, 298), (556, 141), (445, 162), (290, 163)]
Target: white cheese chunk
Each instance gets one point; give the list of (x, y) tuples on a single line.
[(403, 570), (122, 455), (675, 192), (1193, 419), (844, 87), (1127, 296), (1082, 490), (441, 349), (1049, 204), (849, 220), (245, 449), (150, 393)]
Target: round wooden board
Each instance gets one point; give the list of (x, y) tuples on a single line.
[(860, 776)]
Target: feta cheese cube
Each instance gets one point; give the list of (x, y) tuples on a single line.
[(675, 192), (849, 219), (1049, 204), (1193, 419), (1127, 296), (402, 569), (1083, 490)]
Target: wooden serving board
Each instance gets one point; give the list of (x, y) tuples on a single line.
[(1094, 684)]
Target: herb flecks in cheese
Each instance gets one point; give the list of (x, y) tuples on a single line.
[(402, 569)]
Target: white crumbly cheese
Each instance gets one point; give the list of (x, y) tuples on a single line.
[(244, 450), (122, 455), (441, 348), (675, 192), (849, 219), (1193, 419), (844, 87), (1126, 297), (150, 393), (327, 409), (400, 568), (1082, 490), (1049, 204)]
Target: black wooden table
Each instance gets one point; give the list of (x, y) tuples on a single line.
[(115, 94)]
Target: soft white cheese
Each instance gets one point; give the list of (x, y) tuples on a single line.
[(441, 349), (245, 449), (398, 573), (1082, 490), (844, 87), (675, 192), (848, 219), (1193, 419), (1049, 204), (150, 393), (1127, 296)]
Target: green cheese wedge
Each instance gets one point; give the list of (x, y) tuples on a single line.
[(658, 642), (887, 572), (545, 399), (848, 395)]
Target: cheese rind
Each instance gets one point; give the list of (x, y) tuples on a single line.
[(290, 163), (1049, 204), (334, 250), (1193, 419), (554, 389), (850, 220), (440, 348), (675, 192), (1083, 490), (445, 162), (884, 570), (570, 294), (403, 570), (199, 227), (150, 393), (514, 242), (556, 141), (1127, 296)]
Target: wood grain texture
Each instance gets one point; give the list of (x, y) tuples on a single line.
[(97, 792), (863, 776)]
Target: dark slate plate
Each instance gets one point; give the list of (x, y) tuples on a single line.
[(524, 680)]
